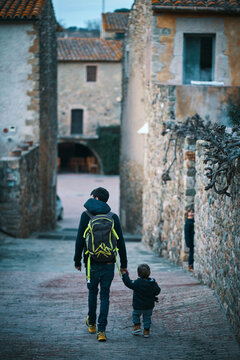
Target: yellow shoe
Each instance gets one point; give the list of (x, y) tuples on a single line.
[(101, 336), (136, 329), (146, 333), (91, 328)]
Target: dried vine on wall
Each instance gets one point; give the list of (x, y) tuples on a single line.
[(222, 148)]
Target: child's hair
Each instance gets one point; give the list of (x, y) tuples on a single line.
[(190, 208), (143, 271)]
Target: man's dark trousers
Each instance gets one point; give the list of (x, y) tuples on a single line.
[(100, 274)]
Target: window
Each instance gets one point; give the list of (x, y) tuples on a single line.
[(119, 36), (198, 62), (91, 73), (77, 121)]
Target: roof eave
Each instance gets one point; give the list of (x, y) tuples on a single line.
[(115, 30), (19, 19), (195, 9), (88, 61)]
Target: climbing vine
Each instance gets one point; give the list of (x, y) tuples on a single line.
[(222, 148), (108, 148)]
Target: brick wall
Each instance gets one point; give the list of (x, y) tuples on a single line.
[(20, 207)]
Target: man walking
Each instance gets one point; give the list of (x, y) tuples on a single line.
[(99, 271)]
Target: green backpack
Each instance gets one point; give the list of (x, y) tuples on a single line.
[(101, 240)]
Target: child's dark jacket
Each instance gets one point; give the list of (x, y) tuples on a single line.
[(144, 292), (189, 232)]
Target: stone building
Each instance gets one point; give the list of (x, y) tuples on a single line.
[(28, 108), (114, 25), (89, 99), (180, 58)]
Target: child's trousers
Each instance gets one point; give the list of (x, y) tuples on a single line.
[(146, 314)]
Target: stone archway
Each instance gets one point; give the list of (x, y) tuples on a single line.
[(78, 157)]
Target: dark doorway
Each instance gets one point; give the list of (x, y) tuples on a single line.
[(73, 157), (77, 121)]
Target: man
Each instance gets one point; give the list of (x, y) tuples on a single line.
[(101, 273)]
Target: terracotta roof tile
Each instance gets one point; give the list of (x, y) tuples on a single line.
[(115, 21), (21, 9), (228, 5), (89, 49)]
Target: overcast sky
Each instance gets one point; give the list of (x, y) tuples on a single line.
[(78, 12)]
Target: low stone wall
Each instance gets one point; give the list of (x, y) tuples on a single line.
[(131, 175), (217, 240), (20, 203)]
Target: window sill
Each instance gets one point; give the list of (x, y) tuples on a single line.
[(207, 83)]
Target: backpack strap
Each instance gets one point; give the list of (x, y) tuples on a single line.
[(110, 214), (89, 214)]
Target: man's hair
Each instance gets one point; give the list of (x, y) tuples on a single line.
[(143, 271), (101, 193)]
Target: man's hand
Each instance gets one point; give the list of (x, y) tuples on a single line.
[(124, 271), (79, 267)]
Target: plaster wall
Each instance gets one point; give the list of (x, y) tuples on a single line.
[(107, 34), (210, 102), (100, 100), (135, 72), (168, 44), (19, 75)]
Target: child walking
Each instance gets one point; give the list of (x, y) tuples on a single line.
[(145, 290), (189, 236)]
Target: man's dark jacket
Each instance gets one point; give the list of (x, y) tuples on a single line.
[(144, 292), (189, 232), (96, 207)]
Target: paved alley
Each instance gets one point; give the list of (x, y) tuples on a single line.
[(44, 306)]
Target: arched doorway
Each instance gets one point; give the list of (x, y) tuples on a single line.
[(79, 158)]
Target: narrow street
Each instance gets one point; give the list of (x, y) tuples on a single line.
[(44, 303)]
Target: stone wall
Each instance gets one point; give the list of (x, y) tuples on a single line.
[(217, 240), (20, 207), (100, 100), (48, 116), (136, 69), (164, 204), (217, 225)]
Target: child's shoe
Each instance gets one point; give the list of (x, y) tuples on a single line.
[(101, 336), (146, 333), (136, 329), (190, 268), (91, 328)]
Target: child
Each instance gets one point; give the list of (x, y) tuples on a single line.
[(145, 290), (189, 236)]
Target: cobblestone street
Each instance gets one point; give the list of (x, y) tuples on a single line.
[(44, 306)]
